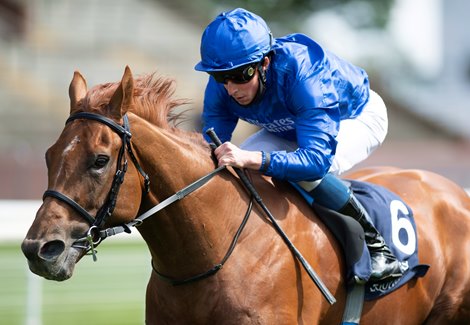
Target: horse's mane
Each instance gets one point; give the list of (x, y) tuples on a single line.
[(154, 101)]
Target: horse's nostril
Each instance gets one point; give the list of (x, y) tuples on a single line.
[(52, 249), (30, 249)]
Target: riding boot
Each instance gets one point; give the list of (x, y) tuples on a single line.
[(383, 261), (330, 192)]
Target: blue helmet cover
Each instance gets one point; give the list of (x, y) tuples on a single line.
[(233, 39)]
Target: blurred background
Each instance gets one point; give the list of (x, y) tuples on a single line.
[(416, 52)]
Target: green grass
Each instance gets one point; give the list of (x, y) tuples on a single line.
[(109, 291)]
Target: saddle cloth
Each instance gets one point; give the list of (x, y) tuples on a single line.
[(393, 218)]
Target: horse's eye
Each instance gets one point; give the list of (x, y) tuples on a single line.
[(101, 161)]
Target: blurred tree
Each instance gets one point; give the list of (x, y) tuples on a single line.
[(361, 13), (13, 19), (289, 13)]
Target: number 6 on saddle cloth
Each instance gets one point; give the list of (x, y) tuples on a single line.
[(394, 220)]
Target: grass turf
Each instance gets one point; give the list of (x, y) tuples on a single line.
[(110, 291)]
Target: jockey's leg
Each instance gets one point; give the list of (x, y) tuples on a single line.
[(332, 193), (357, 139)]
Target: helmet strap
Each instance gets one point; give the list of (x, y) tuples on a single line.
[(261, 84)]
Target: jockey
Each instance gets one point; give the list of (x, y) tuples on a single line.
[(317, 113)]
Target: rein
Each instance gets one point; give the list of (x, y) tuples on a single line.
[(215, 268), (175, 197), (95, 234)]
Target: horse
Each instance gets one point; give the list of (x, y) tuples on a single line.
[(191, 239)]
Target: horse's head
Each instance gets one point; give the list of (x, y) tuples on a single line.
[(85, 168)]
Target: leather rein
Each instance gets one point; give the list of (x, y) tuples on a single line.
[(96, 234)]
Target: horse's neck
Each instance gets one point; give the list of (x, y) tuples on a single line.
[(189, 235)]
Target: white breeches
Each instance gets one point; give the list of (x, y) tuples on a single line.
[(357, 138)]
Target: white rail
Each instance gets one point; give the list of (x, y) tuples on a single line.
[(16, 216)]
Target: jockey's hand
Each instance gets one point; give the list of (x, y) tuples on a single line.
[(229, 154)]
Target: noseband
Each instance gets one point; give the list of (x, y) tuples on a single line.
[(107, 209)]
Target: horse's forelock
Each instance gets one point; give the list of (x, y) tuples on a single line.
[(98, 97)]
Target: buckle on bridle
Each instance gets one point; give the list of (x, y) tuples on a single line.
[(91, 242)]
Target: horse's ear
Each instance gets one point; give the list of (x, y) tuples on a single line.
[(77, 91), (122, 98)]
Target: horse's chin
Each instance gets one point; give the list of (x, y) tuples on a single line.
[(60, 269)]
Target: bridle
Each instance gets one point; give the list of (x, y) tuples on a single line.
[(92, 238), (96, 234)]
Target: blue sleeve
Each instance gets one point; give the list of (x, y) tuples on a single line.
[(215, 113), (317, 124)]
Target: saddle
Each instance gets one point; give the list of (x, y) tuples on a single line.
[(394, 220)]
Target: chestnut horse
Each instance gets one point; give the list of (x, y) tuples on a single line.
[(261, 282)]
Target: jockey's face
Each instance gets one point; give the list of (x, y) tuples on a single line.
[(245, 93)]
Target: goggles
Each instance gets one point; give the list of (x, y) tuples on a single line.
[(238, 75)]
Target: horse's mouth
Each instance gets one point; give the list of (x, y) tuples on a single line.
[(59, 269)]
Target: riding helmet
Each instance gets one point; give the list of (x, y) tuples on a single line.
[(235, 38)]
